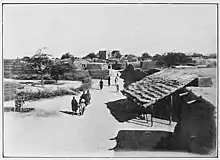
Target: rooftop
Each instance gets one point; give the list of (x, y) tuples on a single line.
[(158, 85)]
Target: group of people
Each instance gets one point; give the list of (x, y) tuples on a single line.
[(109, 83), (84, 98)]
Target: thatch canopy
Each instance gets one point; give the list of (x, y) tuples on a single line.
[(157, 86)]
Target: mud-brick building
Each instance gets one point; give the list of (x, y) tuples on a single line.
[(167, 95)]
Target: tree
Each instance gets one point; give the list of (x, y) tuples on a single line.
[(131, 75), (212, 55), (145, 56), (102, 55), (26, 58), (197, 55), (130, 57), (159, 60), (41, 63), (172, 58), (156, 57), (116, 54), (56, 71), (67, 56), (90, 55)]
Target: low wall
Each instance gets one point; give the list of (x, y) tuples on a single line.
[(96, 66), (99, 74), (76, 75), (204, 81), (146, 65)]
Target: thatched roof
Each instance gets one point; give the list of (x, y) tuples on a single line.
[(157, 86)]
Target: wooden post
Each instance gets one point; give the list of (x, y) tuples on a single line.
[(152, 113), (171, 107)]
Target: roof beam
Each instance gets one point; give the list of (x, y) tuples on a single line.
[(183, 94), (190, 102)]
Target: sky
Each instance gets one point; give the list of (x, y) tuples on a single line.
[(84, 28)]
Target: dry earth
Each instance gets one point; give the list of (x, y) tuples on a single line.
[(48, 132)]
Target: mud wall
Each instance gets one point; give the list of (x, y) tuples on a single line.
[(99, 74), (196, 130)]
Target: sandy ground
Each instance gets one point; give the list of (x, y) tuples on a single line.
[(48, 132)]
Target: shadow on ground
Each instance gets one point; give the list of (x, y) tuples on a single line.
[(121, 111), (69, 112), (36, 112), (139, 140), (22, 110)]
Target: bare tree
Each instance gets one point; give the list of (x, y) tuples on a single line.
[(41, 63)]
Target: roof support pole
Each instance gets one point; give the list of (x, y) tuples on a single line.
[(152, 114), (171, 108)]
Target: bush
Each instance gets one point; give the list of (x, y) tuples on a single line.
[(87, 83), (30, 77), (44, 94)]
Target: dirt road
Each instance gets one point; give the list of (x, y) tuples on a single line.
[(48, 132)]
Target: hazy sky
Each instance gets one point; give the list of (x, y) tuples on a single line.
[(81, 29)]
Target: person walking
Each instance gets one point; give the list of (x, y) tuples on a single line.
[(101, 84), (83, 96), (88, 97), (109, 80), (74, 105)]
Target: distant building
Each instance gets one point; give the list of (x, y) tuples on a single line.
[(102, 54), (115, 54)]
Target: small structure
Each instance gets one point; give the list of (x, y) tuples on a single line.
[(168, 95), (98, 70), (158, 86), (148, 64), (81, 63)]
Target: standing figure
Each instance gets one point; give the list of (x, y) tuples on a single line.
[(116, 79), (83, 96), (109, 80), (74, 105), (117, 86), (101, 84), (88, 97)]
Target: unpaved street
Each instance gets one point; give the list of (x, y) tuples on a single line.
[(48, 132)]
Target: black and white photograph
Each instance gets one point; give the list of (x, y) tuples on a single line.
[(119, 80)]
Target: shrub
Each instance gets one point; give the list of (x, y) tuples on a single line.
[(87, 83), (44, 94)]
